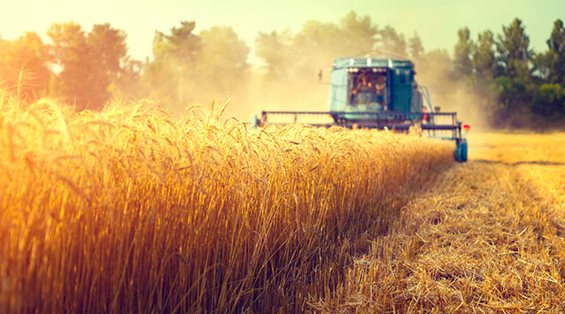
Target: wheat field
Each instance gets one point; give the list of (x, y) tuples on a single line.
[(127, 210)]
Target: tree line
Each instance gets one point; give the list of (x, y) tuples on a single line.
[(520, 88), (516, 86), (88, 69)]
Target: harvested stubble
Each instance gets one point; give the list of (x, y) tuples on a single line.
[(127, 211), (489, 237)]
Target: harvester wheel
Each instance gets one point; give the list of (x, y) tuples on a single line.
[(460, 154), (464, 150), (457, 153)]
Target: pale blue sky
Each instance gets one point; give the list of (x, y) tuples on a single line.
[(436, 21)]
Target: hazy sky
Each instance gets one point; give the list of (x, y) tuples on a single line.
[(436, 21)]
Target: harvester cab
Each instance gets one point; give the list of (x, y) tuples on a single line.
[(379, 93)]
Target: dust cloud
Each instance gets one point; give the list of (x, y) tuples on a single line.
[(450, 93), (258, 93)]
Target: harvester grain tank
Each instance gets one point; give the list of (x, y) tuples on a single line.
[(367, 92)]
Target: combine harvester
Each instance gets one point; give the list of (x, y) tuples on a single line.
[(378, 93)]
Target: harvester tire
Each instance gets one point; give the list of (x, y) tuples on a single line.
[(456, 153), (464, 150)]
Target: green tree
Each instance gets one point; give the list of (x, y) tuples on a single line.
[(168, 76), (70, 53), (316, 36), (392, 43), (277, 52), (482, 83), (88, 62), (541, 65), (127, 84), (514, 53), (513, 102), (549, 100), (484, 59), (316, 46), (358, 34), (556, 53), (222, 62), (107, 52), (415, 47), (182, 45), (462, 53)]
